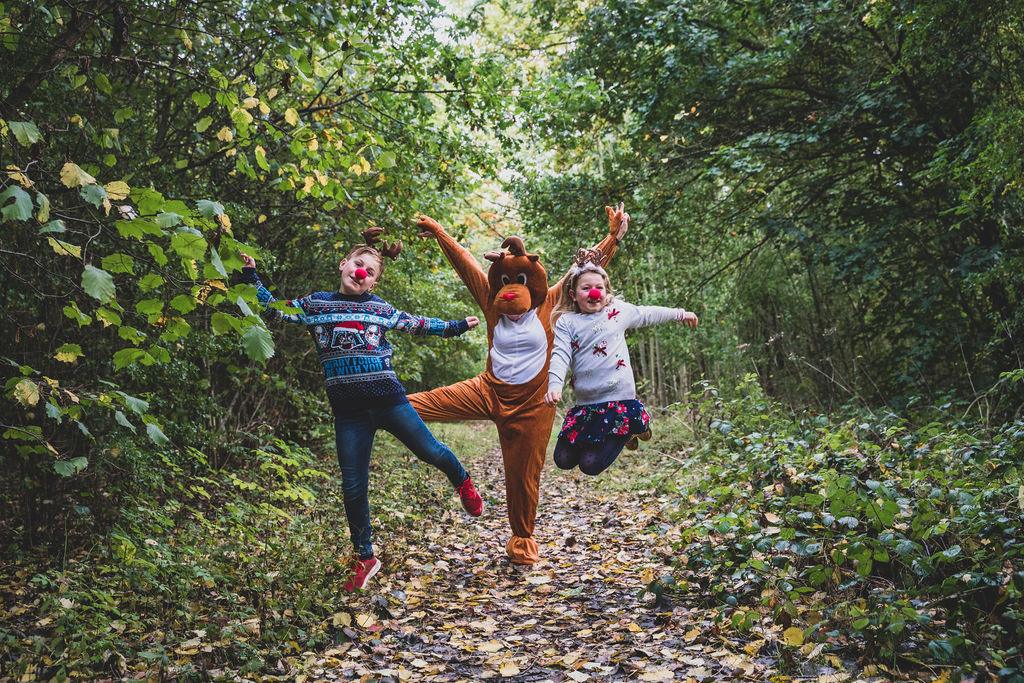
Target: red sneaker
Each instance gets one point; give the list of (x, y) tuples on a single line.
[(362, 572), (471, 500)]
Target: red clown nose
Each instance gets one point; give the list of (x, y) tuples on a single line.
[(594, 294), (361, 273)]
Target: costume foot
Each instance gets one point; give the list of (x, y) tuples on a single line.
[(632, 444), (471, 500), (362, 572), (646, 436), (522, 550)]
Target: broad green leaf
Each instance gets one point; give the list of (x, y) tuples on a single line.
[(94, 194), (150, 281), (157, 252), (210, 208), (183, 303), (103, 83), (108, 317), (201, 99), (126, 357), (261, 157), (188, 245), (18, 210), (122, 419), (136, 405), (64, 248), (131, 335), (386, 160), (73, 176), (72, 311), (168, 219), (25, 132), (98, 284), (118, 263), (56, 226), (150, 306), (68, 353), (68, 468), (156, 435), (258, 343), (203, 123), (216, 263)]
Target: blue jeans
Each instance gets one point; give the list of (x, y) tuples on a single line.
[(354, 434)]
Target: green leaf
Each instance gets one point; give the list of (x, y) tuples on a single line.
[(386, 160), (210, 208), (150, 281), (108, 317), (261, 157), (203, 123), (67, 468), (56, 226), (131, 335), (167, 219), (183, 303), (157, 252), (188, 245), (94, 194), (201, 99), (149, 306), (103, 83), (223, 323), (136, 405), (72, 311), (43, 202), (18, 210), (68, 353), (129, 356), (72, 175), (217, 263), (258, 343), (98, 284), (121, 419), (25, 132), (156, 435), (119, 263)]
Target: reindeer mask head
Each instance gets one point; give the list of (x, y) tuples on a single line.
[(518, 281)]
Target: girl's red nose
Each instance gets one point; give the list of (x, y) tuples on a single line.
[(361, 273), (508, 296), (594, 294)]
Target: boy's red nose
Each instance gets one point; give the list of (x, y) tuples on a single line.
[(360, 273), (594, 295)]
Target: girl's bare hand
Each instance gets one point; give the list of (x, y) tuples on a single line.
[(689, 319)]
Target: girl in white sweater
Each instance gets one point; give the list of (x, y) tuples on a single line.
[(590, 339)]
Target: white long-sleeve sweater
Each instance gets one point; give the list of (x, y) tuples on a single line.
[(593, 346)]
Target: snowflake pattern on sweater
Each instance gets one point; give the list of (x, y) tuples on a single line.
[(349, 333)]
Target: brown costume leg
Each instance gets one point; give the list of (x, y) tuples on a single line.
[(524, 441), (470, 399)]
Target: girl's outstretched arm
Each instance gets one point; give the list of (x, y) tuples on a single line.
[(646, 316), (618, 226), (561, 357), (462, 260), (266, 298)]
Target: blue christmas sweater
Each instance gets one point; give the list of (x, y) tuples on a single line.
[(349, 336)]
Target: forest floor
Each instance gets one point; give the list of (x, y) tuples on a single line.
[(449, 606)]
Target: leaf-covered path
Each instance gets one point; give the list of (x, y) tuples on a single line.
[(453, 608)]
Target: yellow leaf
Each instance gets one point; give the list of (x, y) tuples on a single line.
[(15, 174), (508, 668), (291, 116), (538, 579), (262, 218), (73, 176), (365, 620), (307, 183), (691, 635), (264, 108), (657, 675), (342, 619), (313, 144), (772, 518), (272, 93), (117, 190), (26, 392), (64, 249), (793, 636), (225, 134), (634, 627), (490, 646), (250, 102), (224, 221)]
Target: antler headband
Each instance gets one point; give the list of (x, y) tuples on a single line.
[(389, 249), (586, 260)]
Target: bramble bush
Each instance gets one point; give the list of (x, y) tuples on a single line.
[(898, 537)]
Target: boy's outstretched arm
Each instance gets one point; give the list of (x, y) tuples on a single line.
[(265, 297), (469, 270), (618, 226), (420, 325)]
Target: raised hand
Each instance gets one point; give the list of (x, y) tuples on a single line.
[(428, 227), (618, 220), (472, 321), (247, 261), (689, 319)]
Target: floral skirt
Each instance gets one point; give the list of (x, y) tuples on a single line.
[(594, 422)]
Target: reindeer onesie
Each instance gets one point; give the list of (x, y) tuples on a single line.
[(511, 391)]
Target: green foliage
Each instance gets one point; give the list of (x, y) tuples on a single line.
[(900, 536)]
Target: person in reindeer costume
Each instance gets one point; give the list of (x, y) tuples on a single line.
[(517, 303)]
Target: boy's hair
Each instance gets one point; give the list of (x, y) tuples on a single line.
[(372, 237), (585, 261)]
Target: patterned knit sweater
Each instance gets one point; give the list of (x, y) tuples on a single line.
[(349, 335)]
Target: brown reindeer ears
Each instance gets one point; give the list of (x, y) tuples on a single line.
[(515, 247), (389, 249), (584, 256)]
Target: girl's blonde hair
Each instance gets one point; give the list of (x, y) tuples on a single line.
[(585, 261)]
